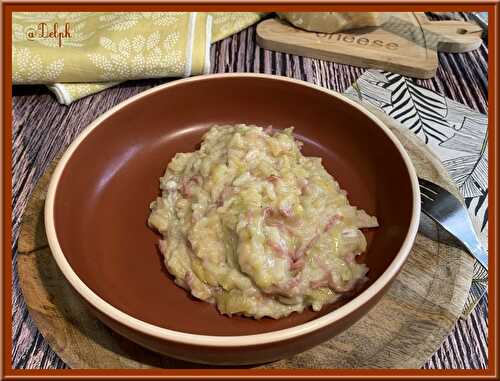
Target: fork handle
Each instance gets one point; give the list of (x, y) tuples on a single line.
[(480, 254)]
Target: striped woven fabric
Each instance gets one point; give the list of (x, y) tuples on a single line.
[(42, 128)]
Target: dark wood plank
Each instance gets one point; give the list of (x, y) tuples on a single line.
[(42, 128)]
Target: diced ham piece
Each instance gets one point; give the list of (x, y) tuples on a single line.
[(272, 178), (286, 212), (281, 226), (303, 185), (224, 195), (267, 212), (187, 282), (197, 179), (319, 283), (332, 221), (277, 248), (250, 215), (186, 184), (275, 223), (297, 265), (299, 253), (185, 190)]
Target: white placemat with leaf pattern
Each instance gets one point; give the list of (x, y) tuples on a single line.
[(457, 134)]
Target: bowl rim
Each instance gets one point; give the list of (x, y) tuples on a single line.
[(226, 341)]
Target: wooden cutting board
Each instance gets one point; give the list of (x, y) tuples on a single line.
[(406, 44), (402, 331)]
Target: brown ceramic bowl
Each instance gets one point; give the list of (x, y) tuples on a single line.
[(98, 203)]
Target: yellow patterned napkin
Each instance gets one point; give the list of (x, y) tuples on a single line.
[(80, 53)]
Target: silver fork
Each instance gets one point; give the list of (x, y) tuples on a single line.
[(447, 211)]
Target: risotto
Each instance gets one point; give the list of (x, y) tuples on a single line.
[(252, 225)]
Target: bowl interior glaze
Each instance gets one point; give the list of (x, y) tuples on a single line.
[(102, 198)]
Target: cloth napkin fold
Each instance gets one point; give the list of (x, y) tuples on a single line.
[(102, 49)]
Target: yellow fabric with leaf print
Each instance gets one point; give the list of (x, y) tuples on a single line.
[(103, 49)]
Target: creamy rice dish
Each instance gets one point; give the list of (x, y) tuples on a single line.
[(252, 225)]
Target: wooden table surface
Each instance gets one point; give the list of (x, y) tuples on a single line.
[(42, 128)]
